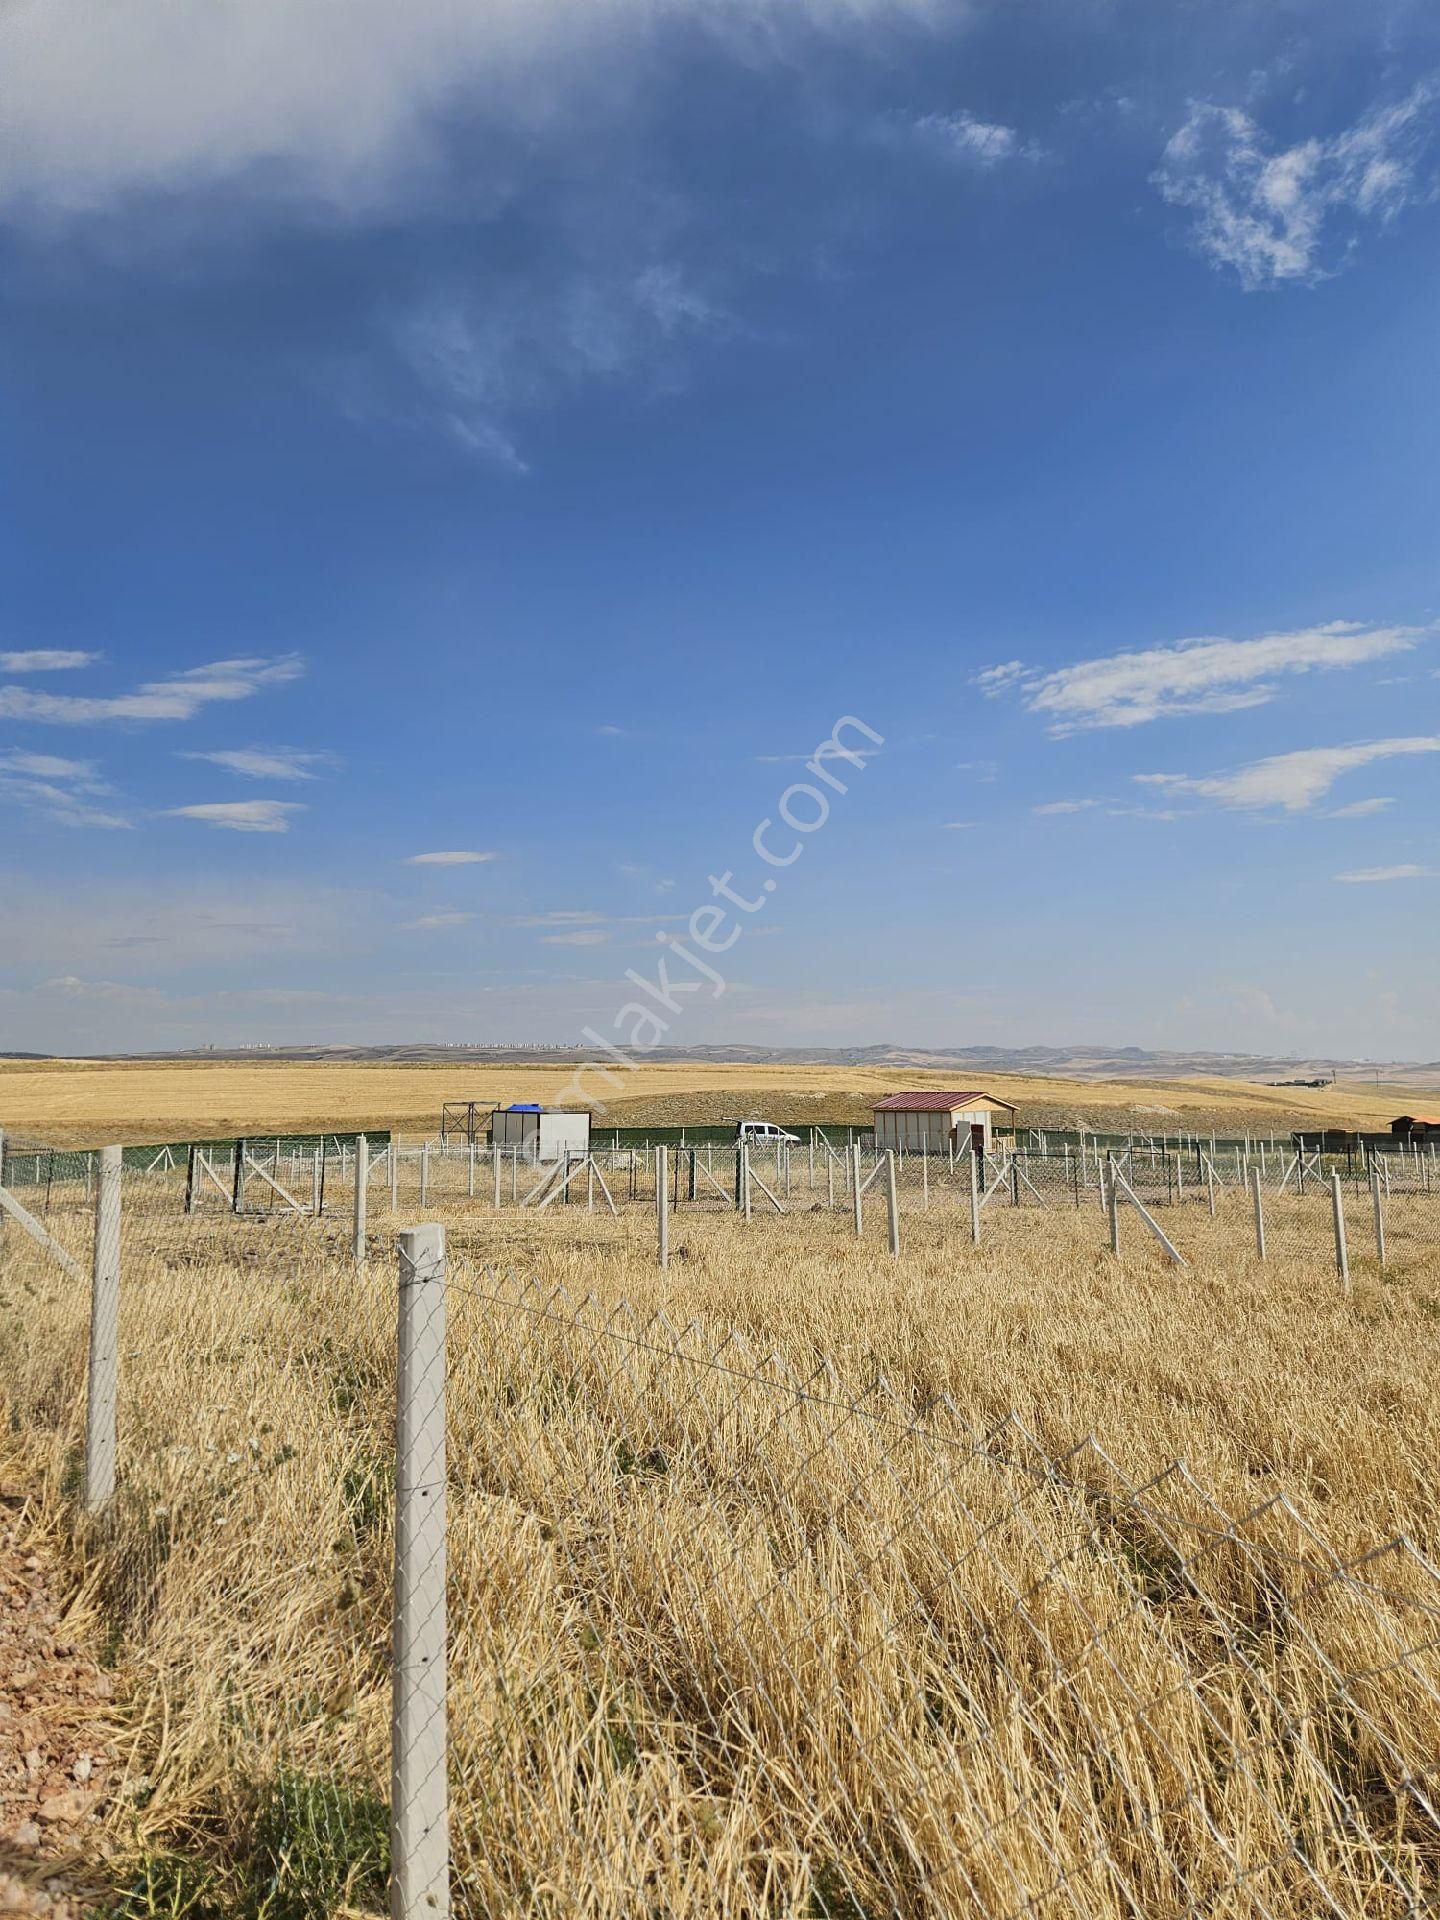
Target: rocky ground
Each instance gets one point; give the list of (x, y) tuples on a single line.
[(57, 1763)]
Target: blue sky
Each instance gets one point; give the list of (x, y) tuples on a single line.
[(524, 431)]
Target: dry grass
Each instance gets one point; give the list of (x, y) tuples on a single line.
[(87, 1102), (726, 1647)]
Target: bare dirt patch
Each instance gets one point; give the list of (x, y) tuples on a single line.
[(57, 1763)]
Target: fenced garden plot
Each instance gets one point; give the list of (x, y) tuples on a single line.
[(792, 1580)]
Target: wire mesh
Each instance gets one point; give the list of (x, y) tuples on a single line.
[(727, 1635)]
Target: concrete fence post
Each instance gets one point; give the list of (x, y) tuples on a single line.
[(495, 1165), (470, 1171), (419, 1802), (743, 1171), (362, 1177), (857, 1197), (104, 1377), (1337, 1212), (1255, 1189), (424, 1171), (1379, 1209), (662, 1204), (1112, 1203), (892, 1203)]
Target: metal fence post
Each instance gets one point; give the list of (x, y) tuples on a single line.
[(419, 1805), (362, 1175), (974, 1197), (892, 1202), (662, 1204), (104, 1379), (1259, 1213), (1342, 1251)]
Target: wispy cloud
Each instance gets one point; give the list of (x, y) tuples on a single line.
[(476, 364), (45, 660), (1361, 809), (1065, 806), (63, 791), (957, 826), (1366, 875), (240, 816), (964, 138), (264, 763), (1275, 215), (429, 921), (1204, 675), (180, 697), (582, 937), (457, 857), (1292, 781), (559, 917)]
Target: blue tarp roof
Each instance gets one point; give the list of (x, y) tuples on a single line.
[(525, 1106)]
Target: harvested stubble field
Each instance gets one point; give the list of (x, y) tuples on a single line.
[(86, 1103), (803, 1598)]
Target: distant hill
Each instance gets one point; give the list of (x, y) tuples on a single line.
[(1068, 1062)]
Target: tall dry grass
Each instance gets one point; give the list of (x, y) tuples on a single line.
[(785, 1582)]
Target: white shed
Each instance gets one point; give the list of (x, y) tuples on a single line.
[(933, 1122), (540, 1134)]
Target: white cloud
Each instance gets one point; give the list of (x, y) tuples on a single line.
[(428, 921), (459, 857), (49, 766), (962, 137), (1361, 809), (1270, 215), (1205, 675), (62, 791), (180, 697), (264, 763), (1293, 781), (585, 937), (957, 826), (241, 816), (333, 100), (1065, 806), (45, 660), (1362, 875)]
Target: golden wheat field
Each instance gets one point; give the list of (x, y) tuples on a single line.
[(794, 1580), (89, 1102)]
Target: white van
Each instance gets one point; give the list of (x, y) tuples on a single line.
[(763, 1132)]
